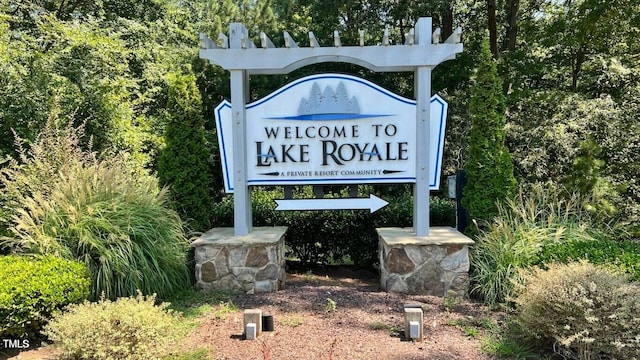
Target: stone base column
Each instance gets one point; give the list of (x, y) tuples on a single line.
[(250, 264), (430, 265)]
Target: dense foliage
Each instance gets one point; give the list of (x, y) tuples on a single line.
[(583, 311), (34, 288), (129, 328), (539, 217), (490, 177), (621, 255), (183, 163), (103, 213), (570, 76), (326, 236)]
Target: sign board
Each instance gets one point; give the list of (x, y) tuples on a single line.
[(331, 129)]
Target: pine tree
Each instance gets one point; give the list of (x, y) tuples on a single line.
[(489, 168), (182, 164)]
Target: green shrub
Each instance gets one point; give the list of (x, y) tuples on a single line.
[(33, 288), (585, 311), (490, 178), (103, 213), (535, 218), (319, 236), (623, 255), (183, 163), (129, 328)]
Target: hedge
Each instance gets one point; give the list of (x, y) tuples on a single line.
[(623, 255), (33, 288), (325, 236)]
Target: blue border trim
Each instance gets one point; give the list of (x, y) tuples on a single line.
[(438, 99), (222, 105)]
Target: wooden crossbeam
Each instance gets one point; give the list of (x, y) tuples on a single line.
[(455, 37), (246, 43), (265, 42), (288, 41), (223, 41), (435, 37), (206, 43), (410, 37), (313, 42), (385, 37)]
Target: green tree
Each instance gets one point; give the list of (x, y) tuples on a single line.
[(490, 171), (183, 163)]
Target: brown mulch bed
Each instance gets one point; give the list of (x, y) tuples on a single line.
[(367, 322)]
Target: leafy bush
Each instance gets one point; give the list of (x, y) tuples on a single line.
[(623, 255), (538, 216), (129, 328), (103, 213), (34, 288), (319, 236), (584, 310)]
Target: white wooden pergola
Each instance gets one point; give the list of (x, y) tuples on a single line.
[(236, 53)]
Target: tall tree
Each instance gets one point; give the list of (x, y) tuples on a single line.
[(489, 169)]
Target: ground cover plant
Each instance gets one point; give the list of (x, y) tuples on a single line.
[(67, 202)]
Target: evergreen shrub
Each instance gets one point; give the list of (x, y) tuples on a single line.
[(326, 236), (183, 164), (33, 288), (584, 311), (490, 178), (129, 328)]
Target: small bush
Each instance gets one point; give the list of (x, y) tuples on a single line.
[(129, 328), (34, 288), (586, 311)]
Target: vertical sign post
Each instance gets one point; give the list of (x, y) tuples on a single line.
[(239, 80), (422, 79)]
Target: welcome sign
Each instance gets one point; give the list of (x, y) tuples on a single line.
[(331, 129)]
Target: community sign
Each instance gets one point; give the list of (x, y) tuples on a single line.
[(331, 129)]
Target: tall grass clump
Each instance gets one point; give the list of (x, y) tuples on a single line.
[(104, 213), (535, 217)]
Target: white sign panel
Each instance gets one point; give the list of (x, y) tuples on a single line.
[(331, 129)]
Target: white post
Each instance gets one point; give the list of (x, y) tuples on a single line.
[(422, 78), (242, 218)]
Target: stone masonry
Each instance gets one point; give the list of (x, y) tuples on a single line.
[(430, 265), (251, 264)]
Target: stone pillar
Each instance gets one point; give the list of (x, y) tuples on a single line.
[(430, 265), (251, 264)]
